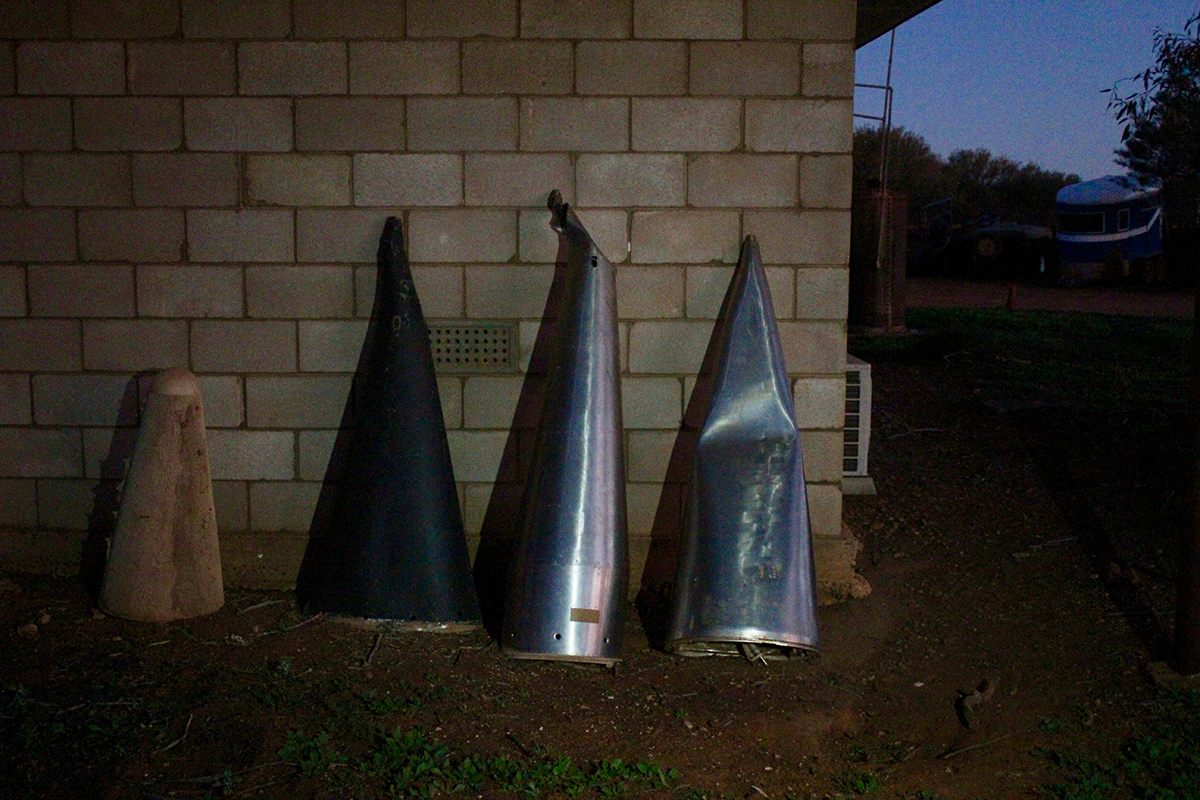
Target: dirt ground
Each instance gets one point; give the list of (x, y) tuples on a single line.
[(985, 568), (1106, 299)]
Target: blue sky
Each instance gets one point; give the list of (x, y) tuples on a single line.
[(1022, 78)]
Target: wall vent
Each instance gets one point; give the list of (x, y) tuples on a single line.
[(856, 431), (473, 346)]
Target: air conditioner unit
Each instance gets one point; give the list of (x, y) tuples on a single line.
[(856, 431)]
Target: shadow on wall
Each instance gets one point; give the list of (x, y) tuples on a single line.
[(106, 494)]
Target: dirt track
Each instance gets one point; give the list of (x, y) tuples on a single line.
[(1133, 301)]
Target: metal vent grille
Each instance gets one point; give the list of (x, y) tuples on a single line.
[(856, 432), (472, 346)]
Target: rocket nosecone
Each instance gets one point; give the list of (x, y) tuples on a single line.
[(745, 570), (395, 547), (567, 588)]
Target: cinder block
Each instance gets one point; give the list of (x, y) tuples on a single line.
[(247, 235), (826, 181), (34, 19), (632, 179), (668, 346), (182, 68), (829, 69), (331, 346), (185, 179), (822, 455), (822, 293), (814, 347), (77, 179), (189, 291), (315, 449), (35, 123), (517, 67), (128, 123), (745, 68), (462, 123), (10, 179), (131, 234), (28, 234), (283, 506), (450, 393), (312, 401), (684, 124), (297, 180), (224, 401), (407, 179), (236, 19), (462, 235), (788, 19), (134, 345), (649, 451), (476, 497), (507, 292), (251, 455), (292, 68), (576, 19), (651, 403), (803, 125), (230, 498), (476, 455), (631, 68), (609, 229), (40, 453), (128, 19), (243, 124), (81, 290), (461, 19), (685, 237), (642, 501), (299, 292), (342, 19), (85, 400), (340, 235), (706, 288), (15, 408), (649, 292), (404, 68), (517, 179), (40, 344), (18, 503), (574, 123), (8, 70), (91, 68), (68, 505), (825, 509), (350, 123), (491, 401), (746, 181), (801, 237), (12, 291), (243, 346), (440, 290), (820, 402), (687, 19)]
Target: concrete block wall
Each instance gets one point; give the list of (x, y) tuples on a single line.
[(203, 182)]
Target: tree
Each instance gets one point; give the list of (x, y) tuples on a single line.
[(913, 167)]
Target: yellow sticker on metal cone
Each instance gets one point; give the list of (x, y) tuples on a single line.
[(585, 615)]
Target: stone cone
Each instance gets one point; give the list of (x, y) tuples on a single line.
[(164, 563)]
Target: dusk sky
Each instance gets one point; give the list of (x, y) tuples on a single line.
[(1022, 78)]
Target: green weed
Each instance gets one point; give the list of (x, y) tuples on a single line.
[(312, 755), (858, 783)]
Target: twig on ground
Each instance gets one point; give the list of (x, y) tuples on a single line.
[(186, 730), (263, 604), (374, 649), (961, 750)]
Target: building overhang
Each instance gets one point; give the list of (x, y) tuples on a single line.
[(877, 17)]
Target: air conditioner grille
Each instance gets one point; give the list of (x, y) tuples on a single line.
[(472, 346), (856, 430)]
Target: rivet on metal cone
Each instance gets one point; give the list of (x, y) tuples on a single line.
[(567, 591), (395, 548), (164, 563), (745, 572)]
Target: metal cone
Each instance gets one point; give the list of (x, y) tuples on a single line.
[(396, 548), (567, 590), (744, 581)]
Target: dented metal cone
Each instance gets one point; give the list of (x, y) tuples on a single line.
[(744, 581), (396, 549), (567, 589), (165, 562)]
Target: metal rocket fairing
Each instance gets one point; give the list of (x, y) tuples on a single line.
[(396, 548), (744, 579), (567, 589)]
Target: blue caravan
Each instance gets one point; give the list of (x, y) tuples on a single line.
[(1110, 228)]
